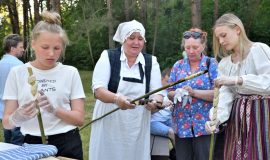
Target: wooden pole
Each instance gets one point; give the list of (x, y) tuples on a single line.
[(148, 94)]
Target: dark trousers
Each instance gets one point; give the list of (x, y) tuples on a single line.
[(195, 148), (13, 136), (68, 144), (219, 146)]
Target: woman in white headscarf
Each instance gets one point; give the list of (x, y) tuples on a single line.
[(120, 75)]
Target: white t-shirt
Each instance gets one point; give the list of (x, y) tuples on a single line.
[(60, 84), (255, 73)]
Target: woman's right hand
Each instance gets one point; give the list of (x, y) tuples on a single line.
[(22, 114), (123, 102), (212, 126)]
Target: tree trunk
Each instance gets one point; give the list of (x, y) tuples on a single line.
[(143, 12), (215, 10), (144, 16), (37, 17), (110, 24), (196, 13), (48, 5), (30, 19), (127, 14), (13, 15), (156, 3), (253, 9), (55, 4), (25, 27), (88, 35)]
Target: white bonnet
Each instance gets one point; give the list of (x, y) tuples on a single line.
[(125, 29)]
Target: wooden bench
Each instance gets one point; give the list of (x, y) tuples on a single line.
[(159, 147)]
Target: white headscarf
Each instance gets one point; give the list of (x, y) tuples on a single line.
[(125, 29)]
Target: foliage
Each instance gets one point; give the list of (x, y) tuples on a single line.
[(86, 23)]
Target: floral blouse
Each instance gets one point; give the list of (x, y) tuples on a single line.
[(189, 119)]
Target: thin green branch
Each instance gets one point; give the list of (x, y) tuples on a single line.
[(34, 93)]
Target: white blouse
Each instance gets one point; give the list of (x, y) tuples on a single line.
[(102, 72), (255, 72)]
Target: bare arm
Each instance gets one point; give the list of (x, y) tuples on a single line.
[(10, 107), (207, 95), (105, 95), (75, 116)]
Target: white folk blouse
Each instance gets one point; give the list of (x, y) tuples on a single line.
[(255, 72)]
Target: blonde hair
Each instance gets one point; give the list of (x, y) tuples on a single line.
[(231, 21), (203, 38), (51, 23)]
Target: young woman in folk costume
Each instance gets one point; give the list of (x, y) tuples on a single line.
[(244, 98)]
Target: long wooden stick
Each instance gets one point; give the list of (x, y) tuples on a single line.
[(215, 105), (148, 94), (34, 93)]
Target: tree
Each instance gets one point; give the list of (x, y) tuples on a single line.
[(127, 10), (110, 24), (156, 4), (143, 12), (88, 36), (253, 9), (55, 5), (196, 13), (13, 15), (37, 17), (215, 10), (48, 5), (26, 27)]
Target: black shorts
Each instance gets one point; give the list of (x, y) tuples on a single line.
[(69, 144)]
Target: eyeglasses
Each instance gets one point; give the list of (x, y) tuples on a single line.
[(189, 34)]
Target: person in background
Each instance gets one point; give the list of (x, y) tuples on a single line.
[(120, 75), (161, 121), (13, 47), (60, 98), (244, 94), (193, 98)]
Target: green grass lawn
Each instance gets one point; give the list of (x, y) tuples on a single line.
[(86, 77)]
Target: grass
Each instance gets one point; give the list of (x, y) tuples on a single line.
[(86, 77)]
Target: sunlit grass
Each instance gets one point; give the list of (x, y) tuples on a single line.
[(86, 77)]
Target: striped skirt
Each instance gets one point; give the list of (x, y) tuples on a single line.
[(247, 136)]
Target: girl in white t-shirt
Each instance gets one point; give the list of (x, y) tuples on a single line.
[(60, 93)]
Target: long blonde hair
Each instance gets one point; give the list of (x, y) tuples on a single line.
[(51, 23), (231, 21)]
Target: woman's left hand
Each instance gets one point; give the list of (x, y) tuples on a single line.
[(43, 102), (189, 89)]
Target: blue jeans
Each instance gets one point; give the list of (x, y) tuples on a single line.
[(13, 136), (161, 128)]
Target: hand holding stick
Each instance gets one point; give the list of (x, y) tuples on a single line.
[(148, 94), (32, 82)]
